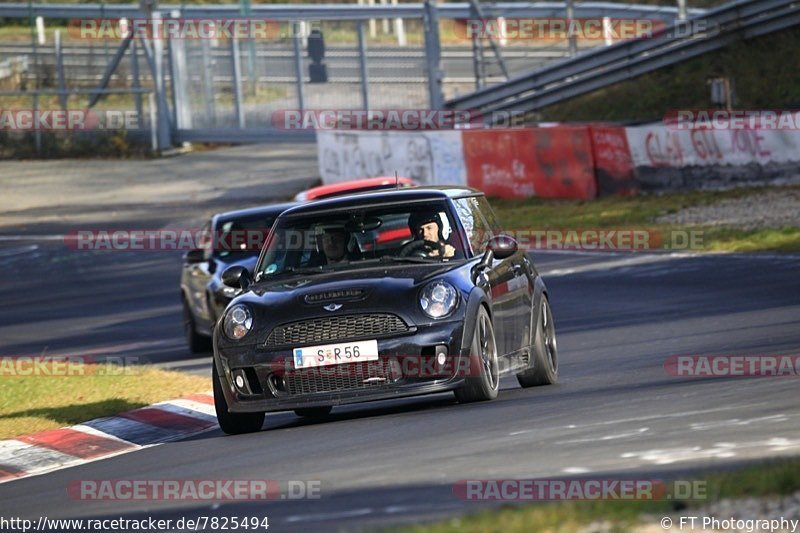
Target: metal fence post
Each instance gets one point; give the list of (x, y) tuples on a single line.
[(399, 29), (34, 43), (62, 94), (237, 81), (155, 60), (362, 63), (208, 81), (681, 9), (151, 103), (477, 60), (137, 83), (298, 67), (433, 55), (37, 135), (573, 43), (177, 55), (164, 130)]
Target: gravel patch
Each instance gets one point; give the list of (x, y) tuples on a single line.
[(771, 209), (740, 515)]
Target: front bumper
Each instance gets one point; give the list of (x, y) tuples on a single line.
[(409, 365)]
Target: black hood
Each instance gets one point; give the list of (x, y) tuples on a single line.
[(393, 289)]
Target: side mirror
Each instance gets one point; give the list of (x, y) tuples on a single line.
[(484, 264), (194, 256), (237, 277), (502, 246)]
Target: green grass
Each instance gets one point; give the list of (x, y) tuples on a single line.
[(640, 212), (32, 403), (773, 478), (762, 71)]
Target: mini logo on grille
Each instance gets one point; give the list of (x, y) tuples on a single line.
[(332, 307)]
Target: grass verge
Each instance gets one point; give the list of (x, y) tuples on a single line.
[(37, 398), (640, 213), (774, 478)]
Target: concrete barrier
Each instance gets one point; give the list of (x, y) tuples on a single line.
[(431, 157), (668, 158), (564, 161)]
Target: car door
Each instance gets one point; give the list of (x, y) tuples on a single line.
[(499, 278), (519, 285)]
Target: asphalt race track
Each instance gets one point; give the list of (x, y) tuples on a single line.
[(615, 412)]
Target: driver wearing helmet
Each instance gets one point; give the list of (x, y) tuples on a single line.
[(426, 226)]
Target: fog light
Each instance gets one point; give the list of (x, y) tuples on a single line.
[(441, 355), (240, 382)]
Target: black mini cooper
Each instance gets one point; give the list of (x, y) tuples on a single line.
[(376, 296)]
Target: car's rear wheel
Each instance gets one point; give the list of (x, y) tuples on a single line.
[(483, 375), (197, 343), (314, 412), (232, 423), (544, 350)]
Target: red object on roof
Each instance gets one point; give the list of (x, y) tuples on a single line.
[(353, 186)]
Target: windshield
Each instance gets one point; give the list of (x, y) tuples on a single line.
[(242, 237), (360, 237)]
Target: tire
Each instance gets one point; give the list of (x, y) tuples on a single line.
[(232, 423), (314, 412), (197, 343), (544, 350), (483, 362)]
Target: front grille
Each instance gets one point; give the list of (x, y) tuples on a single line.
[(346, 377), (335, 328)]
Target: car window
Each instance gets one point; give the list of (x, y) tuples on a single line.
[(359, 237), (478, 230), (489, 215), (207, 242), (242, 237)]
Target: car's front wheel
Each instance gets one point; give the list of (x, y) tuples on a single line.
[(232, 423), (483, 374), (544, 366), (197, 343)]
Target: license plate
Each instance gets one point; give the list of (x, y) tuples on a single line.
[(335, 354)]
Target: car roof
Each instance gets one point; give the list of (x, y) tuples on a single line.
[(342, 187), (264, 210), (433, 192)]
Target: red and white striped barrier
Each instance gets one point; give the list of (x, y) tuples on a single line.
[(105, 437)]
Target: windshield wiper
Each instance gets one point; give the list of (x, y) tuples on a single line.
[(410, 259), (302, 270)]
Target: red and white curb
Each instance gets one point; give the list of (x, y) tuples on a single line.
[(105, 437)]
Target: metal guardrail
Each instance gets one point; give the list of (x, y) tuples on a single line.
[(286, 12), (597, 68)]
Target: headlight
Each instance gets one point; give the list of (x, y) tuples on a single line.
[(238, 322), (438, 299)]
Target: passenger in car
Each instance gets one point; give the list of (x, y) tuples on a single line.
[(334, 244)]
